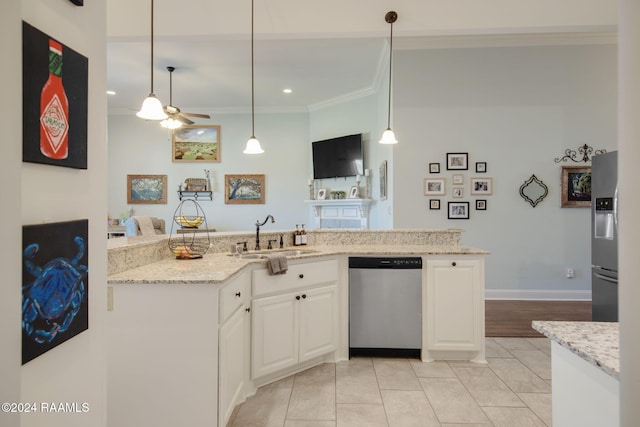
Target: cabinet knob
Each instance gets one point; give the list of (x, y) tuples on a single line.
[(298, 297), (453, 264), (304, 296), (238, 294), (301, 276), (248, 309)]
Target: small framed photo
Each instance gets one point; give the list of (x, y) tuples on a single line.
[(353, 192), (458, 161), (244, 189), (458, 179), (434, 167), (481, 205), (146, 189), (457, 192), (480, 186), (434, 204), (434, 187), (458, 210), (481, 167), (322, 194)]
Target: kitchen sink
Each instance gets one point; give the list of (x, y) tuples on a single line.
[(286, 252)]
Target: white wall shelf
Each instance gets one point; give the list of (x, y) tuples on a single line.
[(340, 213)]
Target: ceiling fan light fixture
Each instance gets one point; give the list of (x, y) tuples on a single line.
[(253, 146), (151, 109), (388, 137), (171, 123)]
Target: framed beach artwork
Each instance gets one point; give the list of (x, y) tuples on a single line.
[(244, 189), (147, 189), (196, 143)]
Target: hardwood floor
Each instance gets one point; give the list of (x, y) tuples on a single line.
[(505, 318)]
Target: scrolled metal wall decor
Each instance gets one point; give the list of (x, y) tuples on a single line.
[(585, 150), (533, 191)]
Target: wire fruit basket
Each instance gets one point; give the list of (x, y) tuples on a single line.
[(188, 242)]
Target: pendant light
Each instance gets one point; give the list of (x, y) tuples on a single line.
[(253, 145), (151, 106), (388, 137)]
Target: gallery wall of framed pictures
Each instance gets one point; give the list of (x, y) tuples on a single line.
[(457, 165)]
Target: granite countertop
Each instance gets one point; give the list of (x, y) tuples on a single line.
[(217, 267), (596, 342)]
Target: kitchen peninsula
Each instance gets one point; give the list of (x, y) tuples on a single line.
[(187, 334), (585, 366)]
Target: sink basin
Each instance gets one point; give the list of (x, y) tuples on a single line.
[(286, 252)]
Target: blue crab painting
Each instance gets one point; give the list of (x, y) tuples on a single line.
[(54, 288)]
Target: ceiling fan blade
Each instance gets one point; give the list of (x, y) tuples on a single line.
[(184, 120), (203, 116)]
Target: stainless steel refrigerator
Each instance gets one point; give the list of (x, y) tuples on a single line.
[(604, 237)]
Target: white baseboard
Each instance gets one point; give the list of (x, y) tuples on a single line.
[(537, 295)]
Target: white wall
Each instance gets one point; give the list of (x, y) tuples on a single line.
[(141, 147), (74, 371), (516, 109)]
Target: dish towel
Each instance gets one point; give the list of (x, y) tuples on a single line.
[(146, 225), (277, 264)]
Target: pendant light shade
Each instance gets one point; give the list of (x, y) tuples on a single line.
[(253, 145), (388, 137), (151, 107)]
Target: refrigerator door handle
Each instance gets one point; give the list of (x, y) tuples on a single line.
[(615, 209), (605, 278)]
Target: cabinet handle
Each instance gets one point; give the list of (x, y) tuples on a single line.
[(453, 264), (238, 294), (301, 276), (248, 309), (304, 296), (298, 297)]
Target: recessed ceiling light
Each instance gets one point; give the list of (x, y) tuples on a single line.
[(287, 91), (111, 92)]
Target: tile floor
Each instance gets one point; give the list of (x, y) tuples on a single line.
[(512, 390)]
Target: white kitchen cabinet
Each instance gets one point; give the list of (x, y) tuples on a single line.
[(233, 349), (454, 304), (296, 325)]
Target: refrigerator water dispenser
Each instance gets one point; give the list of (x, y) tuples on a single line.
[(604, 219)]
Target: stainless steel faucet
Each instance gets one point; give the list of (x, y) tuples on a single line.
[(258, 225)]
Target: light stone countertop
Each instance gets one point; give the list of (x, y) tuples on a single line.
[(596, 342), (217, 267)]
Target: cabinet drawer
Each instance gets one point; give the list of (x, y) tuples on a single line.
[(233, 296), (297, 276)]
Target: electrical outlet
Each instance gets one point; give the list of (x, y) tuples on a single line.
[(570, 273)]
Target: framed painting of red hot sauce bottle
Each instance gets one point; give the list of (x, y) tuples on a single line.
[(54, 101)]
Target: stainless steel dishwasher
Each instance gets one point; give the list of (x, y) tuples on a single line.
[(385, 306)]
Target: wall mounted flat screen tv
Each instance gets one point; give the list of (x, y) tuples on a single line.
[(338, 157)]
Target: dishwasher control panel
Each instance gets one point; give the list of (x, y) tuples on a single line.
[(385, 262)]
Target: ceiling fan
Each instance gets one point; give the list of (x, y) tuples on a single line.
[(177, 117)]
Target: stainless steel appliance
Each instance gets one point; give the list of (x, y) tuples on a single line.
[(604, 237), (385, 306)]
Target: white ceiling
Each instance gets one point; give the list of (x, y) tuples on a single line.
[(322, 50)]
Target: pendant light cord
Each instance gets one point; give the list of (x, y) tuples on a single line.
[(252, 90), (151, 46), (390, 62)]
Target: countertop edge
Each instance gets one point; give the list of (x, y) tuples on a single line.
[(595, 342)]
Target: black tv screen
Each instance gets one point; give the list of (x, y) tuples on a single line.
[(338, 157)]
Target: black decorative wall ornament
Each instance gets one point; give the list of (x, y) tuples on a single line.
[(586, 151), (533, 191)]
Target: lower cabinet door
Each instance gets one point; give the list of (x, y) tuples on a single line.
[(231, 361), (274, 333), (317, 322), (455, 305)]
